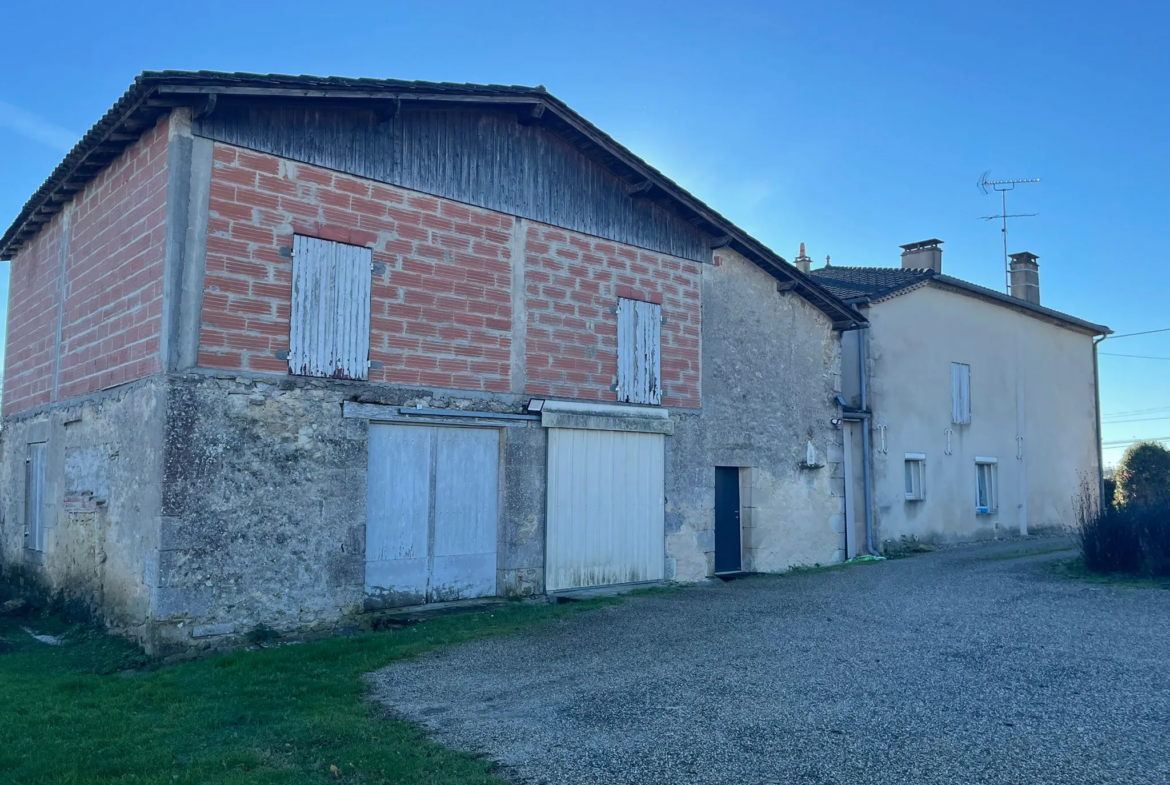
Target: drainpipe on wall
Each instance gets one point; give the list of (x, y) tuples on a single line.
[(865, 459), (1097, 407)]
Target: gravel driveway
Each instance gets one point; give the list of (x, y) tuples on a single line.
[(972, 665)]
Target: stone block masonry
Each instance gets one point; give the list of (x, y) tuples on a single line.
[(442, 299)]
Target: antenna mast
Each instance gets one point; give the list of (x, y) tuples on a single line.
[(1003, 186)]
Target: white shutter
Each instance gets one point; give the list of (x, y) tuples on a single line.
[(329, 328), (639, 351), (960, 393), (35, 495)]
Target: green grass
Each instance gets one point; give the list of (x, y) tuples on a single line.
[(1075, 569), (288, 714), (1023, 554)]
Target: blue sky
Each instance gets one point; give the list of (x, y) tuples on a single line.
[(853, 127)]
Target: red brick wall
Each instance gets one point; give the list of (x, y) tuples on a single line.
[(573, 284), (441, 296), (112, 313), (117, 249), (32, 320)]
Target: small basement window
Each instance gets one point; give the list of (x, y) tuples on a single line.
[(915, 476), (639, 351), (329, 326), (986, 485)]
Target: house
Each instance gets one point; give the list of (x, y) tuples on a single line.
[(972, 413), (284, 349)]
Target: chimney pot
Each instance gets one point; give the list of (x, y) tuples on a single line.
[(1025, 276), (803, 262), (923, 255)]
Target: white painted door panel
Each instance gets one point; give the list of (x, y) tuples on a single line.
[(605, 508), (431, 513), (466, 483)]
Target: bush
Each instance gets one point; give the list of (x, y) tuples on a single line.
[(1143, 476), (1133, 538)]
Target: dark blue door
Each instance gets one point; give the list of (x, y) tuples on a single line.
[(727, 534)]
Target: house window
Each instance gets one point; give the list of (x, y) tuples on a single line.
[(986, 486), (960, 393), (329, 326), (34, 496), (639, 351), (915, 476)]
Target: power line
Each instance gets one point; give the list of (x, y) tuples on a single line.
[(1143, 419), (1144, 332), (1134, 356), (1127, 442), (1130, 412)]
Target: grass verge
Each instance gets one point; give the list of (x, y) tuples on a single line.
[(1023, 554), (1075, 569), (289, 714)]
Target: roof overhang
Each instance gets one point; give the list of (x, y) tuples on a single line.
[(155, 93)]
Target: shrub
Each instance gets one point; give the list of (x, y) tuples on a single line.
[(1133, 538), (1143, 476)]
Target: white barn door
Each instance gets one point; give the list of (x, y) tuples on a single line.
[(605, 508), (431, 514)]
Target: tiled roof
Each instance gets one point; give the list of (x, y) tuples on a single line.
[(872, 282)]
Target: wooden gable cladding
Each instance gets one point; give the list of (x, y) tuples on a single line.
[(482, 157)]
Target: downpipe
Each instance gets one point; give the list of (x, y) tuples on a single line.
[(1097, 407), (865, 444)]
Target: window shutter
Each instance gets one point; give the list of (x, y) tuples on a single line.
[(960, 393), (34, 499), (639, 351), (329, 327)]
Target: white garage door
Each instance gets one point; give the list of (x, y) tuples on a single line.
[(431, 515), (605, 508)]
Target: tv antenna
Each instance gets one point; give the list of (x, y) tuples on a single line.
[(1003, 186)]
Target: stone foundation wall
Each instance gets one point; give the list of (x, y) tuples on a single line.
[(102, 499), (264, 503)]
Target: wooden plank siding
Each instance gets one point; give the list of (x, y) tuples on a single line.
[(479, 157)]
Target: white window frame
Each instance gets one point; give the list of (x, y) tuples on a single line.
[(916, 464), (992, 470), (960, 394), (639, 340)]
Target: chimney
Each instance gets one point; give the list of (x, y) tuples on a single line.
[(803, 263), (1025, 276), (923, 255)]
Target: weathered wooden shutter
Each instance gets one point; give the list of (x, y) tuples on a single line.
[(34, 495), (639, 351), (960, 393), (329, 329)]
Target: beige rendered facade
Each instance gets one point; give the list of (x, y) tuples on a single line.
[(1017, 465)]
